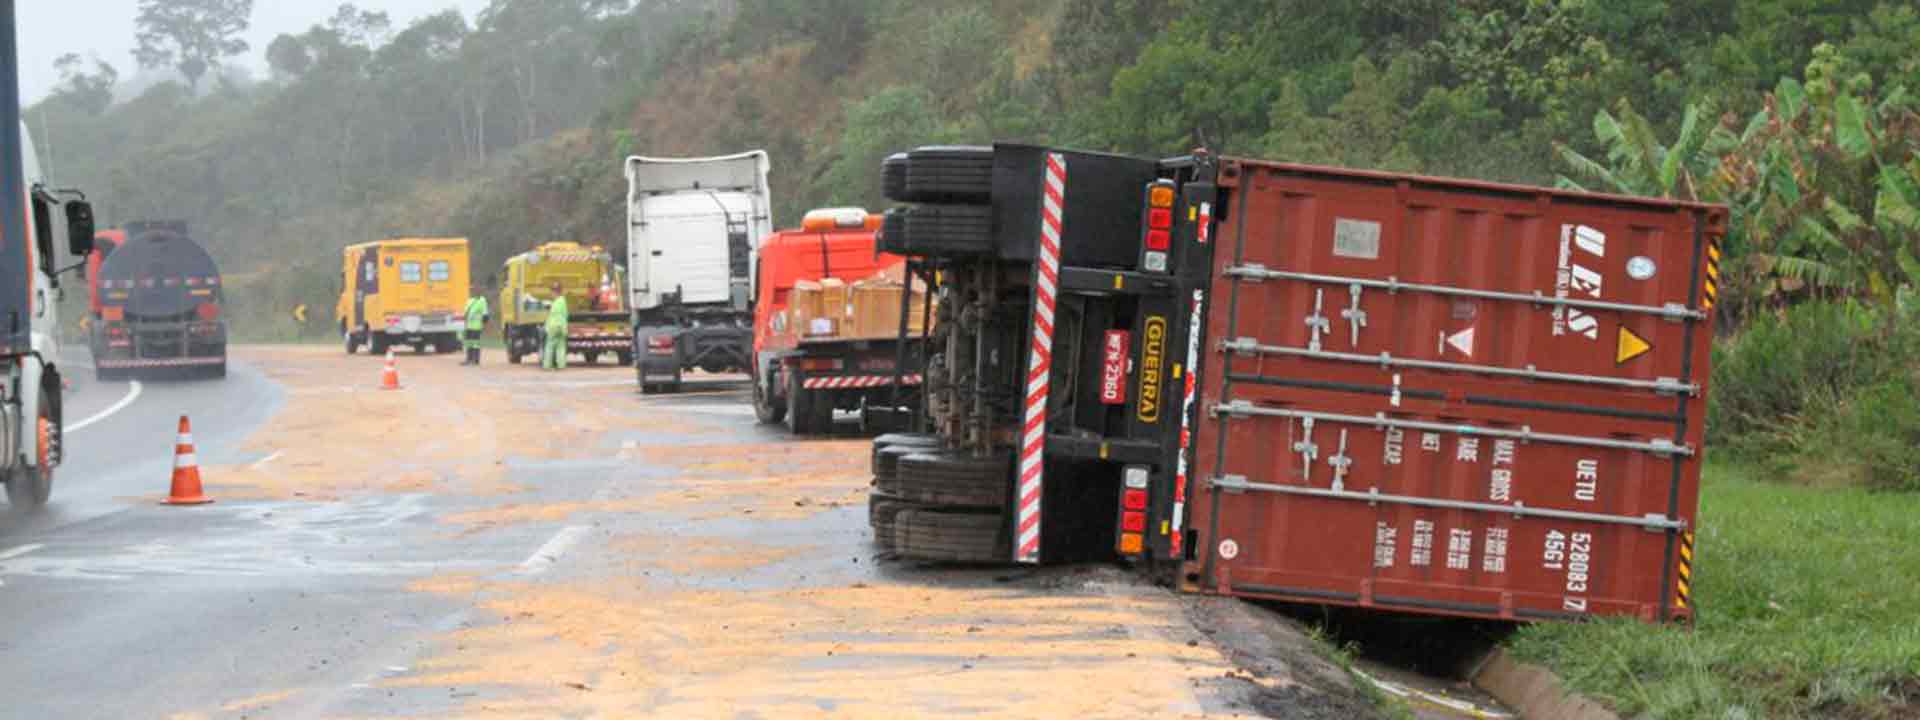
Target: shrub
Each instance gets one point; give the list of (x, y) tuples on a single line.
[(1767, 376)]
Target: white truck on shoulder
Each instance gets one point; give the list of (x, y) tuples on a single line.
[(693, 226), (34, 224)]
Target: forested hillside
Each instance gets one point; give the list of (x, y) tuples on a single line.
[(509, 127)]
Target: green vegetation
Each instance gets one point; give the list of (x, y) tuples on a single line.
[(1824, 394), (508, 127), (1806, 610), (1803, 116)]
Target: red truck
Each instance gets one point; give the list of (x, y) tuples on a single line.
[(827, 329), (1309, 384), (104, 243)]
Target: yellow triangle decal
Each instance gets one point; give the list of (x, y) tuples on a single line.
[(1631, 346)]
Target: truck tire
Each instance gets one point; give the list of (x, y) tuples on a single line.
[(950, 536), (886, 460), (767, 409), (938, 230), (952, 480), (939, 174), (376, 345), (353, 343), (29, 487), (904, 442), (903, 438), (809, 412), (881, 510), (512, 345)]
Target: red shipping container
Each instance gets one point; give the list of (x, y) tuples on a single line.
[(1452, 397)]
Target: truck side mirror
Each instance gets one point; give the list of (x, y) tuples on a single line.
[(79, 227)]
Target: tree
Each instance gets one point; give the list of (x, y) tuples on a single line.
[(191, 36), (1824, 183), (91, 93), (1637, 163)]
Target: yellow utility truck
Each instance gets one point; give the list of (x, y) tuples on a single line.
[(403, 291), (598, 323)]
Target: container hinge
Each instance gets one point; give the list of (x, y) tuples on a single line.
[(1673, 386), (1655, 522), (1308, 451), (1235, 484), (1356, 318), (1237, 409), (1663, 446), (1676, 312), (1251, 272), (1240, 346), (1317, 322)]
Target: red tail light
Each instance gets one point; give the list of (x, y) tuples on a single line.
[(818, 364), (660, 344), (208, 312), (1156, 238)]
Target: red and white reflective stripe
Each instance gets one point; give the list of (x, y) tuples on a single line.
[(856, 381), (1033, 446), (163, 362), (1186, 418)]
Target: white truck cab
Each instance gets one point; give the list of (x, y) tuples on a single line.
[(30, 394), (693, 230)]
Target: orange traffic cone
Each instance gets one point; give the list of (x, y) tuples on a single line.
[(390, 379), (186, 471)]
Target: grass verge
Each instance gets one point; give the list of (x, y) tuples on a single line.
[(1809, 606)]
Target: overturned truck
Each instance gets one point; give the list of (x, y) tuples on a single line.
[(1306, 383)]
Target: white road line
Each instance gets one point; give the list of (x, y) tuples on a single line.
[(17, 552), (262, 462), (133, 393), (550, 553), (12, 553)]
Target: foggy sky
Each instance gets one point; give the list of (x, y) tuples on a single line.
[(51, 28)]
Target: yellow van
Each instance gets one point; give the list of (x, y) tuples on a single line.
[(403, 291)]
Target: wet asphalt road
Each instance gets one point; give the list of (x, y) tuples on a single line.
[(268, 604), (118, 607)]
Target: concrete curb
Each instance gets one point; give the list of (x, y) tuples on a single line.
[(1532, 691)]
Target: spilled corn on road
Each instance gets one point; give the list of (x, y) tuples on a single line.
[(502, 542)]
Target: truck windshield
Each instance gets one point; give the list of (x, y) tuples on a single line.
[(439, 271), (410, 272)]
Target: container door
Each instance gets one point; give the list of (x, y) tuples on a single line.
[(1437, 399)]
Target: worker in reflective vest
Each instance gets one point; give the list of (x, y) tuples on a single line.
[(477, 316), (553, 355)]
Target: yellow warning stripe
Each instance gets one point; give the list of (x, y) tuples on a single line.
[(1712, 286), (1684, 587)]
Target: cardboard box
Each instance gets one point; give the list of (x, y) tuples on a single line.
[(835, 303), (876, 310), (804, 308)]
